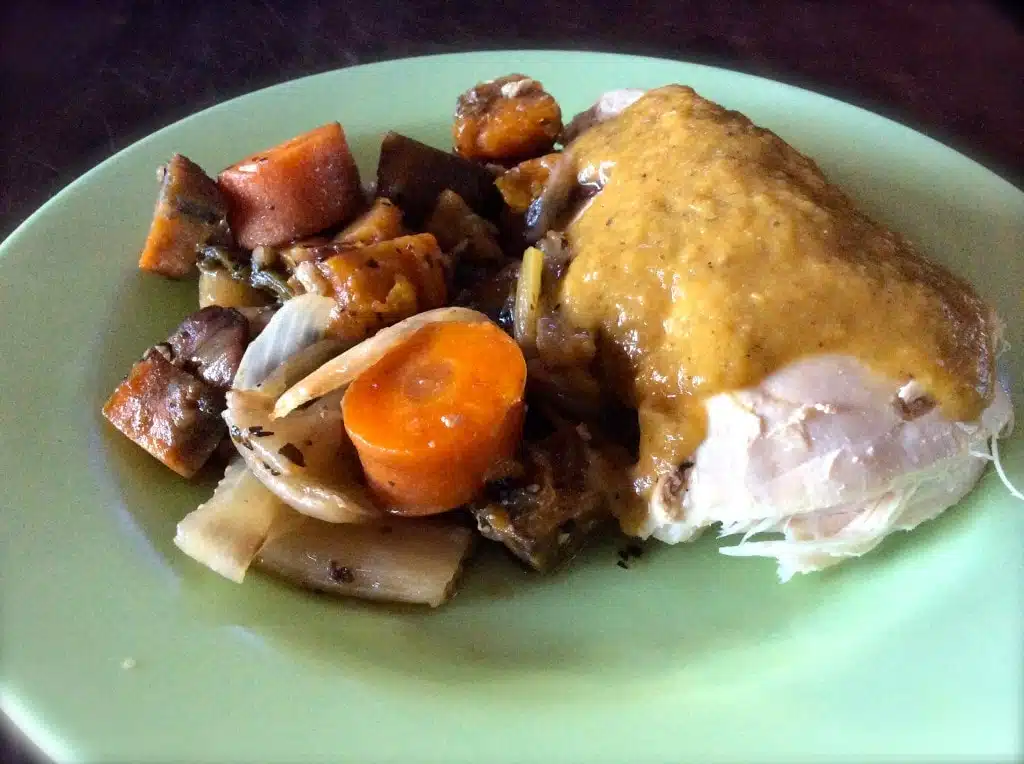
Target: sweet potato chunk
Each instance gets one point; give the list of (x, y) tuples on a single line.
[(190, 212), (506, 120), (170, 413), (525, 182), (381, 222), (295, 189), (380, 284)]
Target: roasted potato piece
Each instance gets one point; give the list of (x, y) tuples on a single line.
[(506, 120), (295, 189), (413, 174), (190, 212), (525, 182), (169, 412), (461, 231), (218, 287), (381, 222)]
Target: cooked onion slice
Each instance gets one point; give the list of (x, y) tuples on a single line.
[(300, 322)]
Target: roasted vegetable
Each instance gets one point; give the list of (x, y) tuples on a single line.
[(401, 561), (246, 271), (190, 213), (434, 417), (210, 343), (413, 174), (295, 189), (226, 532), (562, 492), (380, 284), (506, 120), (218, 287), (527, 304), (461, 231), (172, 414), (526, 181), (381, 222)]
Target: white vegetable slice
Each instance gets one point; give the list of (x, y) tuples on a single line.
[(226, 532), (299, 323), (405, 560), (305, 458), (340, 371)]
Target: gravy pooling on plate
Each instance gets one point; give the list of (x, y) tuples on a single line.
[(716, 254)]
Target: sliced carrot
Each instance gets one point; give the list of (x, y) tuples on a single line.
[(295, 189), (434, 416)]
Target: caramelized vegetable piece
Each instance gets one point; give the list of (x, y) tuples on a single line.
[(190, 213), (295, 189), (561, 494), (413, 174), (210, 344), (170, 413), (380, 284), (461, 231), (507, 119), (381, 222), (525, 182), (436, 415)]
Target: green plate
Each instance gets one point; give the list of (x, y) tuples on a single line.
[(915, 649)]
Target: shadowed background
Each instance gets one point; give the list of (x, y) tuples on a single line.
[(82, 80)]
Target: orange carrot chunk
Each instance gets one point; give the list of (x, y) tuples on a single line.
[(295, 189), (436, 415)]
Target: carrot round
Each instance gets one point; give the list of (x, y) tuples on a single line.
[(436, 414)]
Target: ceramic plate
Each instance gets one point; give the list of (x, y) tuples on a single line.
[(688, 655)]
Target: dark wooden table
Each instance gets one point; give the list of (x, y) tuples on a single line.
[(81, 80)]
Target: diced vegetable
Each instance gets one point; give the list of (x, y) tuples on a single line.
[(563, 491), (413, 174), (190, 213), (337, 373), (380, 284), (226, 532), (507, 119), (461, 231), (168, 412), (295, 189), (402, 561), (210, 344), (527, 307), (381, 222), (526, 181), (217, 287), (432, 418)]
